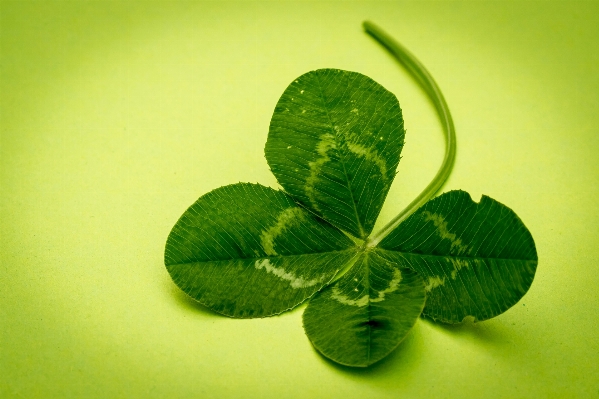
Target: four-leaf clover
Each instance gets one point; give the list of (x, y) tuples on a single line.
[(334, 143)]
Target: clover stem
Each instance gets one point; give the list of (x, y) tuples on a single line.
[(424, 78)]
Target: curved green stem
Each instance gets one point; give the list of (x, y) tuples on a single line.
[(427, 82)]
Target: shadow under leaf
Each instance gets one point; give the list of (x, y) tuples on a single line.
[(184, 301), (490, 332), (397, 363)]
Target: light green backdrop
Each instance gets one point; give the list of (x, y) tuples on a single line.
[(115, 117)]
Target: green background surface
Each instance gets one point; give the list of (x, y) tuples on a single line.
[(116, 116)]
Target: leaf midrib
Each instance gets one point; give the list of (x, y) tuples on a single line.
[(351, 193), (454, 257), (356, 248)]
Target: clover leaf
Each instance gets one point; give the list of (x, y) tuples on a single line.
[(334, 143), (246, 250)]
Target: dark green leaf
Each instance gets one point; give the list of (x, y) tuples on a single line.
[(334, 144), (361, 318), (246, 250), (476, 259)]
